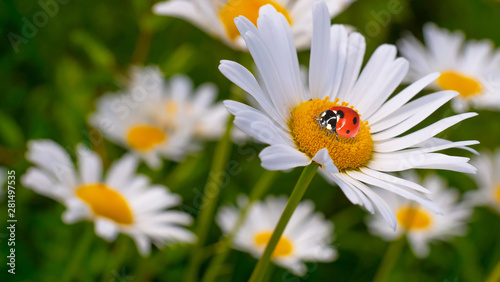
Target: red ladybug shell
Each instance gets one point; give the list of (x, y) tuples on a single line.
[(347, 121)]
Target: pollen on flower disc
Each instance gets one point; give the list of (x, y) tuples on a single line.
[(106, 202), (346, 153)]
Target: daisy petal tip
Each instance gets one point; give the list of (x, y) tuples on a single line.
[(319, 7), (158, 8), (323, 158), (267, 10)]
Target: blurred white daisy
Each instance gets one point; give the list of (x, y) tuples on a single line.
[(287, 118), (488, 181), (154, 119), (307, 237), (123, 201), (216, 17), (471, 68), (421, 225)]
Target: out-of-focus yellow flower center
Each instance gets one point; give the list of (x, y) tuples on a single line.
[(171, 107), (145, 137), (283, 248), (465, 85), (413, 218), (106, 202), (247, 8), (346, 153), (497, 194)]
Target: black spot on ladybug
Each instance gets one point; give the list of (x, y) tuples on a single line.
[(354, 120), (348, 131), (340, 114)]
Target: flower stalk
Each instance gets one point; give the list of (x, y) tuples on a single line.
[(298, 192), (81, 250), (224, 247), (208, 205), (389, 260)]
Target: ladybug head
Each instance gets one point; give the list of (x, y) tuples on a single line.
[(328, 120)]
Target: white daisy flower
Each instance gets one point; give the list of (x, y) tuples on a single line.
[(488, 180), (154, 119), (216, 17), (471, 68), (421, 225), (307, 237), (288, 115), (123, 201)]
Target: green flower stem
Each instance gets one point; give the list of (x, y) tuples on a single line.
[(495, 274), (298, 191), (80, 251), (224, 246), (391, 256), (116, 256), (209, 202)]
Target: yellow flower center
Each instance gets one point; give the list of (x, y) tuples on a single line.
[(106, 202), (283, 248), (247, 8), (171, 107), (465, 85), (346, 153), (145, 137), (497, 194), (412, 218)]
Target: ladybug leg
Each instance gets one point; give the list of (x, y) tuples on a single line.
[(337, 137)]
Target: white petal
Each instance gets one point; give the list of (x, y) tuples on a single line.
[(276, 33), (355, 54), (402, 97), (204, 97), (392, 76), (121, 171), (106, 229), (407, 193), (75, 211), (186, 10), (90, 165), (369, 78), (45, 184), (323, 158), (396, 180), (413, 50), (320, 82), (339, 40), (240, 76), (411, 114), (421, 135), (390, 162), (256, 124), (419, 246), (51, 156), (344, 186), (379, 203), (143, 244), (282, 157)]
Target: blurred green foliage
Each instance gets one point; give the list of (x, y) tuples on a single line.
[(86, 48)]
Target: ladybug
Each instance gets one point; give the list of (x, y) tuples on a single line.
[(342, 121)]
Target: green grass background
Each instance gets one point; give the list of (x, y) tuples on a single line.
[(49, 88)]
